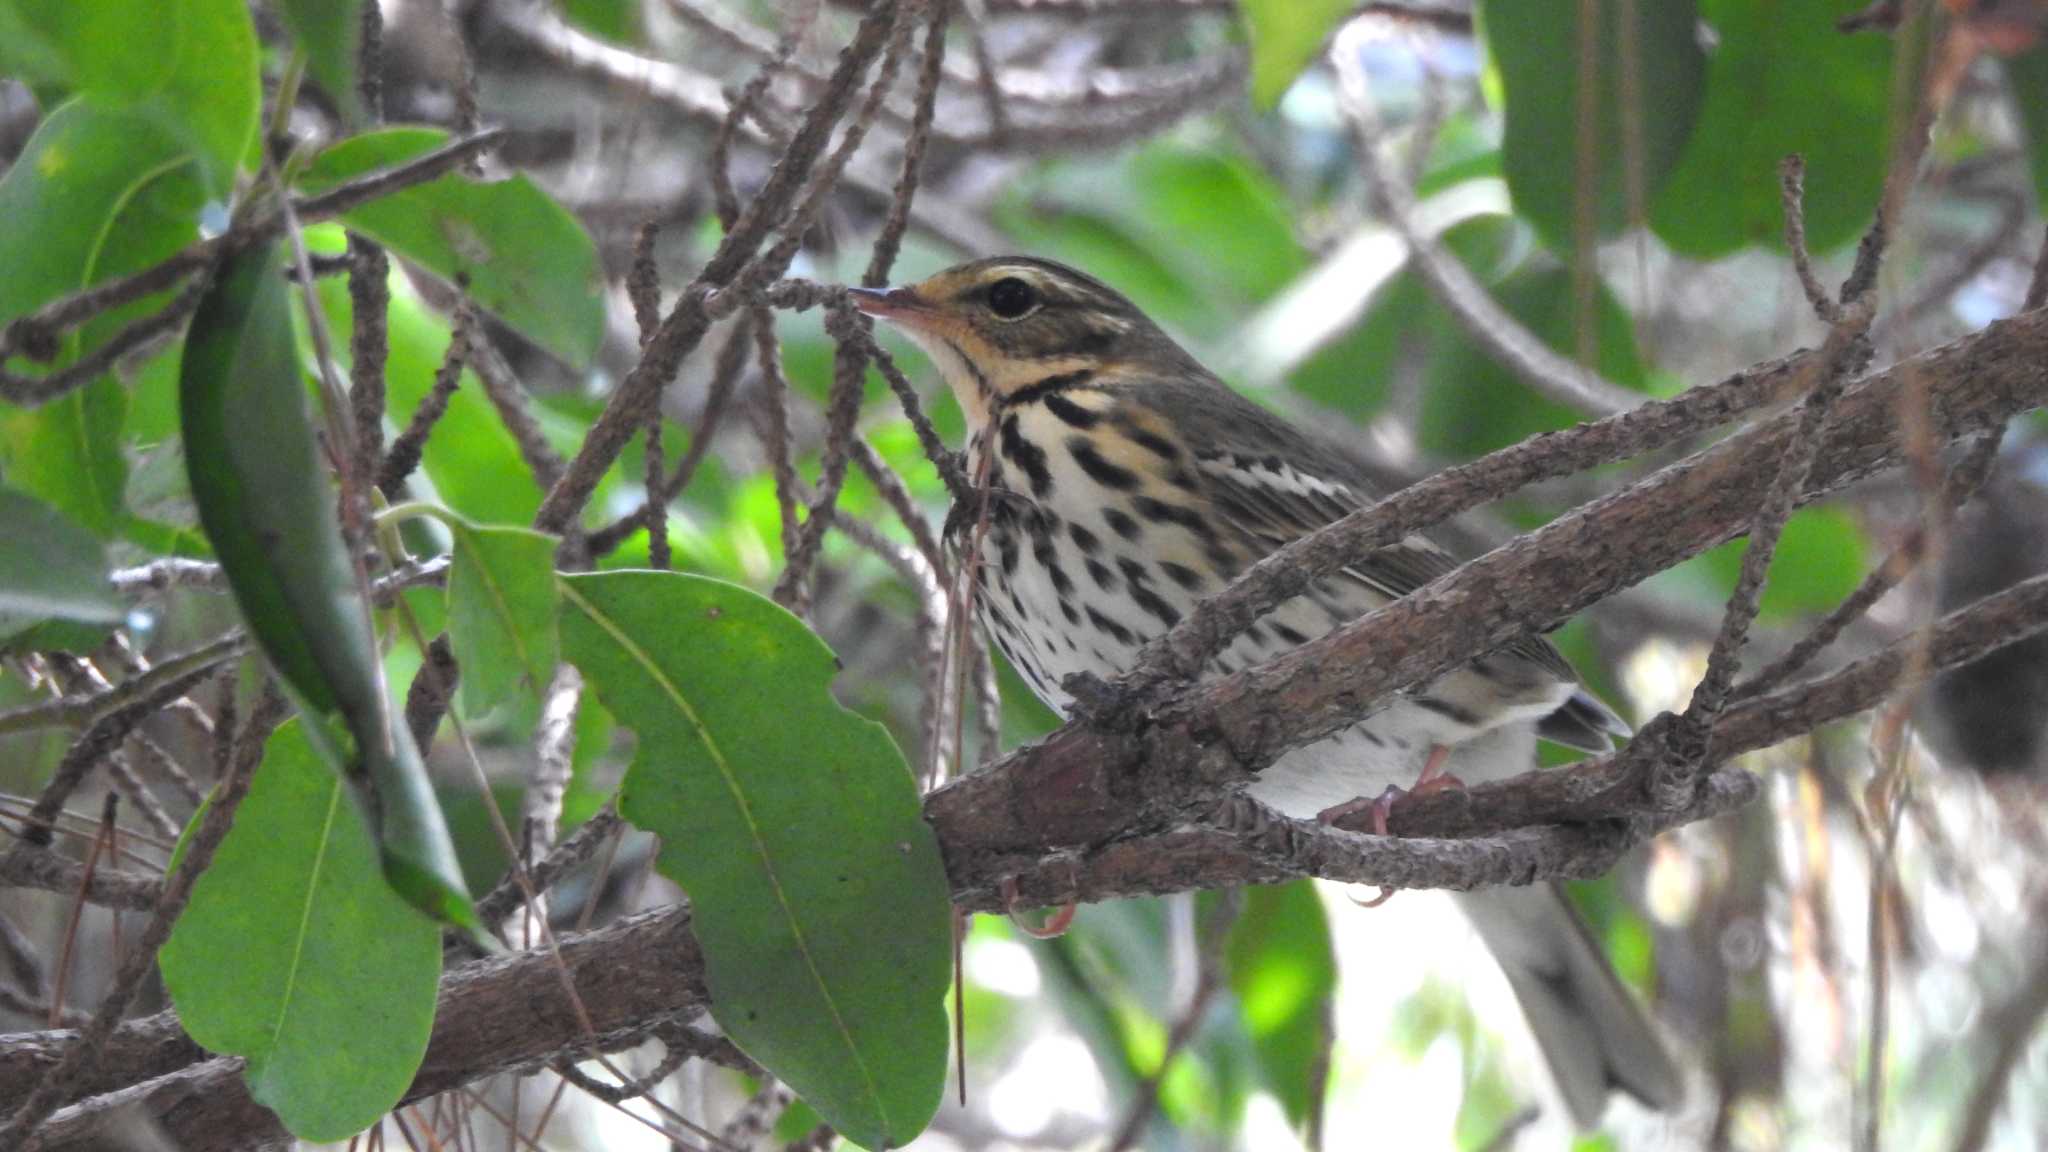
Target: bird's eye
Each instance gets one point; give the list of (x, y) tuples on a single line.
[(1010, 298)]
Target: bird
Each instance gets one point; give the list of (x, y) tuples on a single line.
[(1121, 482)]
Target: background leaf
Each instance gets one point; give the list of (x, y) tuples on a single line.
[(329, 32), (50, 568), (295, 955), (1283, 973), (1530, 42), (501, 612), (265, 504), (1781, 80), (190, 66), (1285, 36), (794, 825), (521, 254)]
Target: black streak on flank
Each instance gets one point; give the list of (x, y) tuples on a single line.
[(1159, 511), (1114, 630), (1026, 455), (1099, 470), (1146, 598), (1121, 522), (1152, 442), (1182, 575), (1084, 539), (1104, 578)]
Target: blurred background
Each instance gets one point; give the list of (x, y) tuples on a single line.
[(1609, 169)]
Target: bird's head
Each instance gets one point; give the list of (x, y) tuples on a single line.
[(995, 327)]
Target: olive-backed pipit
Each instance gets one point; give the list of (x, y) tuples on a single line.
[(1131, 483)]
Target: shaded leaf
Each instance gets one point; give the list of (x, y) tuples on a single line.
[(191, 66), (501, 612), (330, 33), (1286, 35), (1283, 973), (1781, 80), (98, 192), (50, 568), (522, 255), (2027, 75), (295, 955), (794, 825), (267, 509), (1535, 45)]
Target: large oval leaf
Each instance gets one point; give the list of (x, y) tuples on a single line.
[(522, 255), (266, 506), (1285, 35), (1781, 80), (189, 65), (98, 191), (295, 955), (501, 612), (1534, 44), (794, 825)]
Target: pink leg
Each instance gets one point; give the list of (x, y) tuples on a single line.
[(1055, 924), (1432, 779)]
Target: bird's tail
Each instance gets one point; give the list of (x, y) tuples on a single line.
[(1593, 1033)]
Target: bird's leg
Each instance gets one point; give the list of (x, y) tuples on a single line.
[(1433, 779), (1055, 924)]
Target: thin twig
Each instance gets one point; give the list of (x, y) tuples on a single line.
[(407, 450)]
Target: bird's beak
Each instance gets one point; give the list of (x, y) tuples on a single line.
[(895, 304)]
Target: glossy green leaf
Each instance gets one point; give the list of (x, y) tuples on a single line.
[(1283, 973), (522, 255), (295, 955), (1285, 35), (2027, 76), (190, 66), (1781, 79), (794, 825), (98, 192), (1535, 46), (330, 33), (616, 20), (268, 510), (50, 568), (501, 613)]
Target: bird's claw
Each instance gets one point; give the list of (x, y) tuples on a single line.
[(1055, 925)]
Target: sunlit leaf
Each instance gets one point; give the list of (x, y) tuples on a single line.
[(1285, 36), (1819, 561), (295, 955), (1535, 45), (266, 507), (190, 66), (794, 825), (1781, 79), (50, 568), (1284, 973), (521, 254)]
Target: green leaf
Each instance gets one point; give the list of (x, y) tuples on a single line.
[(522, 255), (1285, 35), (794, 825), (1781, 80), (267, 509), (2027, 76), (1283, 972), (97, 193), (50, 568), (501, 613), (1534, 44), (296, 956), (615, 20), (1819, 561), (191, 66), (330, 33)]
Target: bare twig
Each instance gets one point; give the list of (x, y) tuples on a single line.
[(405, 452)]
